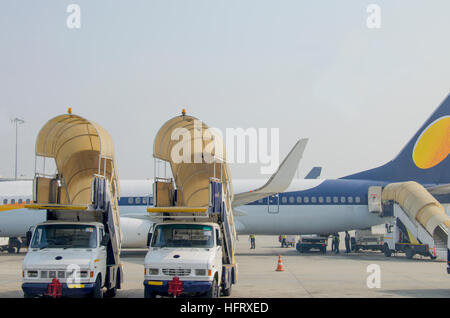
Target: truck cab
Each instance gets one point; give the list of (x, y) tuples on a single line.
[(187, 250), (72, 252)]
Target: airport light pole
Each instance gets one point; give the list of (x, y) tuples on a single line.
[(16, 121)]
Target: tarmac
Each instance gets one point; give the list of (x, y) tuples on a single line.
[(305, 275)]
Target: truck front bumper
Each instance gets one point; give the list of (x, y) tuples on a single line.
[(161, 287), (41, 289)]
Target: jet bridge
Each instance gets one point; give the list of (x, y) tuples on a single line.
[(75, 175)]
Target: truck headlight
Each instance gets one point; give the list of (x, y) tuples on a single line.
[(83, 274), (32, 274), (153, 271), (200, 272)]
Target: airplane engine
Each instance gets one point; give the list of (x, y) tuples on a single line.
[(134, 232)]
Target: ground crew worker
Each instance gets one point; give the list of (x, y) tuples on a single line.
[(252, 241), (347, 242), (336, 239), (283, 241)]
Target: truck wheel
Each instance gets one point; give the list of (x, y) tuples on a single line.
[(26, 295), (12, 250), (227, 291), (386, 250), (112, 292), (409, 253), (214, 290), (98, 292), (148, 293)]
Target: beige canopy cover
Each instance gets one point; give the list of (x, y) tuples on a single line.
[(418, 203), (203, 156), (81, 148)]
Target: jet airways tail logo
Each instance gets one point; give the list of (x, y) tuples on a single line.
[(433, 145)]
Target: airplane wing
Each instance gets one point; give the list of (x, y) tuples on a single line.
[(279, 181), (314, 173), (440, 189)]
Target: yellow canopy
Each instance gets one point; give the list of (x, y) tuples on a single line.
[(195, 154), (81, 148)]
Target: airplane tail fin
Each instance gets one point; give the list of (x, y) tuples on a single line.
[(424, 159)]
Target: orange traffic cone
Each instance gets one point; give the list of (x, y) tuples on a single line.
[(280, 267)]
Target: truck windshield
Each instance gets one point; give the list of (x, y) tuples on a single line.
[(183, 235), (64, 236)]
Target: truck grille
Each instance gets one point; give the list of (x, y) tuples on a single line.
[(53, 274), (176, 271)]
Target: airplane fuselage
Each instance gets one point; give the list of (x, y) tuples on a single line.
[(307, 207)]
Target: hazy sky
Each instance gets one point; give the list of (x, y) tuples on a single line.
[(310, 68)]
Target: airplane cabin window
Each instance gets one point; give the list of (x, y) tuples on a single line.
[(299, 199), (306, 199), (335, 200), (350, 199), (291, 199), (138, 200), (342, 199), (13, 201), (5, 201), (130, 200), (144, 200), (284, 200), (320, 199), (313, 200), (357, 199), (328, 199), (28, 201), (20, 201)]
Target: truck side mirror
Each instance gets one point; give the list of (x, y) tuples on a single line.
[(219, 241), (149, 238), (29, 233), (105, 240)]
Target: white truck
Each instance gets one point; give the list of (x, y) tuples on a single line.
[(307, 242), (76, 251), (191, 250), (10, 244), (371, 239)]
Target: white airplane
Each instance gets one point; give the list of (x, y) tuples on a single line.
[(308, 206)]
